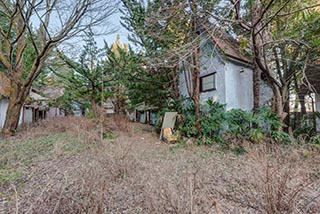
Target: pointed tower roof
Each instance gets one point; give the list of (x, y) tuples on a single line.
[(117, 45)]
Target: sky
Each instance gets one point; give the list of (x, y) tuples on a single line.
[(73, 45), (110, 38)]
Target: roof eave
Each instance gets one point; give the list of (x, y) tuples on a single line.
[(247, 63)]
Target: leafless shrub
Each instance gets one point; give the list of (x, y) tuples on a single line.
[(123, 123), (86, 130), (53, 125), (137, 174), (80, 184), (185, 194), (275, 180)]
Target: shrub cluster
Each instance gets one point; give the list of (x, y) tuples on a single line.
[(217, 124)]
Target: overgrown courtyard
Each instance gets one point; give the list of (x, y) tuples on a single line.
[(63, 166)]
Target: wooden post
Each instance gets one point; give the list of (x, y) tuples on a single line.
[(313, 114), (102, 106)]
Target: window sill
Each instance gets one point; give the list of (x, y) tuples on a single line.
[(208, 90)]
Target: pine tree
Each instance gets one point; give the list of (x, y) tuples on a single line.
[(83, 78)]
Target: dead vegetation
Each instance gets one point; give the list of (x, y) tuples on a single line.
[(130, 171)]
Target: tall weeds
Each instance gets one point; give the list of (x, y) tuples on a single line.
[(137, 174)]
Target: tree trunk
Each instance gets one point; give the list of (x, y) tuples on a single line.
[(256, 86), (196, 65), (302, 103), (256, 10), (196, 86), (175, 83), (196, 101), (287, 117), (12, 117), (278, 104), (94, 107), (18, 96)]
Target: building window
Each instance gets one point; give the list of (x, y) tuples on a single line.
[(208, 82)]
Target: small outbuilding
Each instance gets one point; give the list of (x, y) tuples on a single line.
[(146, 114), (226, 74)]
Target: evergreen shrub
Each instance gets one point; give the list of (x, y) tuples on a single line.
[(218, 125)]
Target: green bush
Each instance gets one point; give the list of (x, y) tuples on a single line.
[(213, 122), (216, 123), (315, 139), (187, 119), (306, 126)]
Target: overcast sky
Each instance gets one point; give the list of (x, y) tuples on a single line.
[(73, 45), (114, 21)]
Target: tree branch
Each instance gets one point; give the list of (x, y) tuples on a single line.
[(273, 16), (302, 9)]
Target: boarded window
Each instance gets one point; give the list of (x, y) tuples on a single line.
[(208, 82)]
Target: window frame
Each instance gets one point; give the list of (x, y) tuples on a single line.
[(214, 82)]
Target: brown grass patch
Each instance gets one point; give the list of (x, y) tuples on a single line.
[(132, 172)]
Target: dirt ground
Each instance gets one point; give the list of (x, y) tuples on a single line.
[(63, 166)]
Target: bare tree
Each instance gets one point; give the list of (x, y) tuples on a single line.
[(276, 54), (39, 26)]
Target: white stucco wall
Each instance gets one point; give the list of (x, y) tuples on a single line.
[(233, 88), (3, 110), (209, 64), (213, 64), (28, 115), (239, 86), (318, 110), (183, 85)]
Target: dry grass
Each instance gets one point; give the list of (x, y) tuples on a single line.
[(130, 171)]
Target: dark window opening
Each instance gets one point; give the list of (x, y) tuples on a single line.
[(208, 82)]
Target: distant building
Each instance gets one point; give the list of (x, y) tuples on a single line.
[(146, 114), (53, 93), (35, 107), (33, 110), (4, 98), (109, 107)]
